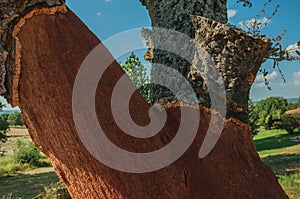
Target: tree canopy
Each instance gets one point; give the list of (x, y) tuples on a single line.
[(137, 72), (270, 110), (15, 119)]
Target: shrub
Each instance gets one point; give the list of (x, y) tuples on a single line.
[(3, 137), (7, 166), (27, 153), (290, 122), (15, 119), (4, 127)]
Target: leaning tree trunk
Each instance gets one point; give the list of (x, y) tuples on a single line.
[(43, 46)]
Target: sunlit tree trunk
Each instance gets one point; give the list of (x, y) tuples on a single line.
[(42, 52)]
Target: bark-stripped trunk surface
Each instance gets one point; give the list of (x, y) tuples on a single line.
[(52, 43)]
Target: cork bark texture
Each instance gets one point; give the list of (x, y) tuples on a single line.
[(176, 15), (237, 57), (52, 44), (11, 11), (236, 54), (233, 169)]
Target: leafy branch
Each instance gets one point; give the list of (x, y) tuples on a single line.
[(254, 27), (278, 53)]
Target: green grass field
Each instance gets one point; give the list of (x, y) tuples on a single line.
[(283, 156), (26, 186), (23, 180)]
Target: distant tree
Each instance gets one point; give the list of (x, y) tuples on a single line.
[(237, 56), (4, 127), (15, 119), (290, 122), (292, 106), (270, 111), (137, 72), (27, 152), (253, 118)]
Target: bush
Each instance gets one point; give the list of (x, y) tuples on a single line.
[(4, 127), (15, 119), (290, 122), (27, 153), (7, 166)]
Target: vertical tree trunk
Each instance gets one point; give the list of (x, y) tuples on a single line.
[(49, 47), (177, 15)]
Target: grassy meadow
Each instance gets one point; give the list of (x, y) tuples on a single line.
[(23, 180), (283, 156)]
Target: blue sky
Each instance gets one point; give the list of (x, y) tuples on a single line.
[(109, 17), (284, 19)]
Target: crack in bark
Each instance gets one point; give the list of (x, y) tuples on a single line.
[(186, 175)]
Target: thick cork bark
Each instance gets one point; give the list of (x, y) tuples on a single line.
[(236, 55), (176, 15), (11, 12), (54, 43)]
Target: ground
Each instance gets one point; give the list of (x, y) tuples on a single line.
[(283, 155), (274, 146), (22, 181)]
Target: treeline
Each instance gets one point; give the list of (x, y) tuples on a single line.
[(272, 113), (7, 121)]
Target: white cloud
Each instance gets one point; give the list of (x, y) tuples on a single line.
[(259, 22), (107, 1), (290, 89), (272, 76), (99, 13), (296, 76), (293, 47), (231, 13), (297, 82), (260, 85)]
